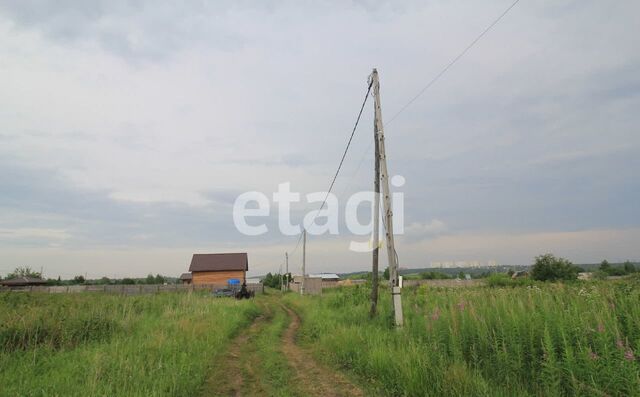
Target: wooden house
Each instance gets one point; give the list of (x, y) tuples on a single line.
[(218, 269)]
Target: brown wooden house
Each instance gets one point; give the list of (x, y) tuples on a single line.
[(218, 268)]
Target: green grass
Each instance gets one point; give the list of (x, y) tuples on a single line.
[(273, 371), (106, 345), (543, 339)]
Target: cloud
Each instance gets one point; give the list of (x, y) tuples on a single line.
[(10, 235), (418, 231), (136, 125)]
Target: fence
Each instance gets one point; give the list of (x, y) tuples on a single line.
[(312, 285), (127, 289)]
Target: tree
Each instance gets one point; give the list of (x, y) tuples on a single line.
[(385, 275), (549, 268), (629, 267), (605, 266), (272, 280), (79, 279), (23, 271), (128, 281)]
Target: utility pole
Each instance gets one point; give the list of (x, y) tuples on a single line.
[(286, 261), (304, 259), (388, 213), (281, 279), (376, 223)]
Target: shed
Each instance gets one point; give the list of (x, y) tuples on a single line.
[(186, 278), (218, 268)]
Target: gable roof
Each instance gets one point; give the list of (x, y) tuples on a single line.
[(219, 262), (186, 276)]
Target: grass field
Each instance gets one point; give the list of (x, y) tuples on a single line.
[(105, 345), (553, 339), (538, 339)]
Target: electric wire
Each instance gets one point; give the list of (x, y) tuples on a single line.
[(453, 62), (402, 109), (344, 155)]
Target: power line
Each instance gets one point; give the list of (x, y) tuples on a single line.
[(431, 82), (450, 64), (420, 93), (346, 149), (344, 155)]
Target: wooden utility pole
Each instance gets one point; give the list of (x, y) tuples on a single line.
[(376, 223), (304, 259), (386, 200), (286, 261), (281, 279)]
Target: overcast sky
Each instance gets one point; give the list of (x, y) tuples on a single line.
[(128, 129)]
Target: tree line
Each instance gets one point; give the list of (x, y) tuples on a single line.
[(26, 271)]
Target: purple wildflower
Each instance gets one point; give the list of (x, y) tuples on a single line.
[(628, 355)]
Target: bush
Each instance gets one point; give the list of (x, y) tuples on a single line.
[(434, 276), (549, 268)]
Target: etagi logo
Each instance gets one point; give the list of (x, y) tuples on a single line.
[(284, 197)]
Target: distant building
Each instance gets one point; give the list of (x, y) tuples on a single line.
[(312, 284), (218, 269), (520, 274), (23, 282), (326, 277), (186, 278), (585, 275)]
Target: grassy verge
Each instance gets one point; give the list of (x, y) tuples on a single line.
[(105, 345), (580, 339)]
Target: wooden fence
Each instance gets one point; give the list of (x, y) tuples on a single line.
[(136, 289)]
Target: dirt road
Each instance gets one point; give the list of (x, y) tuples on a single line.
[(266, 360)]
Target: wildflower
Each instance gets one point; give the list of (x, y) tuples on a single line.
[(461, 306), (619, 344), (593, 355), (436, 314), (600, 327), (628, 355)]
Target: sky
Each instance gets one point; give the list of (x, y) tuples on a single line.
[(128, 129)]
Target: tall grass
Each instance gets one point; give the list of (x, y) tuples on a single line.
[(547, 339), (105, 345)]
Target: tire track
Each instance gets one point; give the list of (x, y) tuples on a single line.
[(314, 379)]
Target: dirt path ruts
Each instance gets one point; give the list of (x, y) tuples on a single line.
[(313, 378), (241, 370), (228, 376)]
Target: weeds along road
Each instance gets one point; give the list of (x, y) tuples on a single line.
[(265, 360)]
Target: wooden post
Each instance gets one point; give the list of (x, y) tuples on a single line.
[(388, 213), (304, 260), (376, 223)]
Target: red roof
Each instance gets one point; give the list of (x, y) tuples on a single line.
[(219, 262)]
